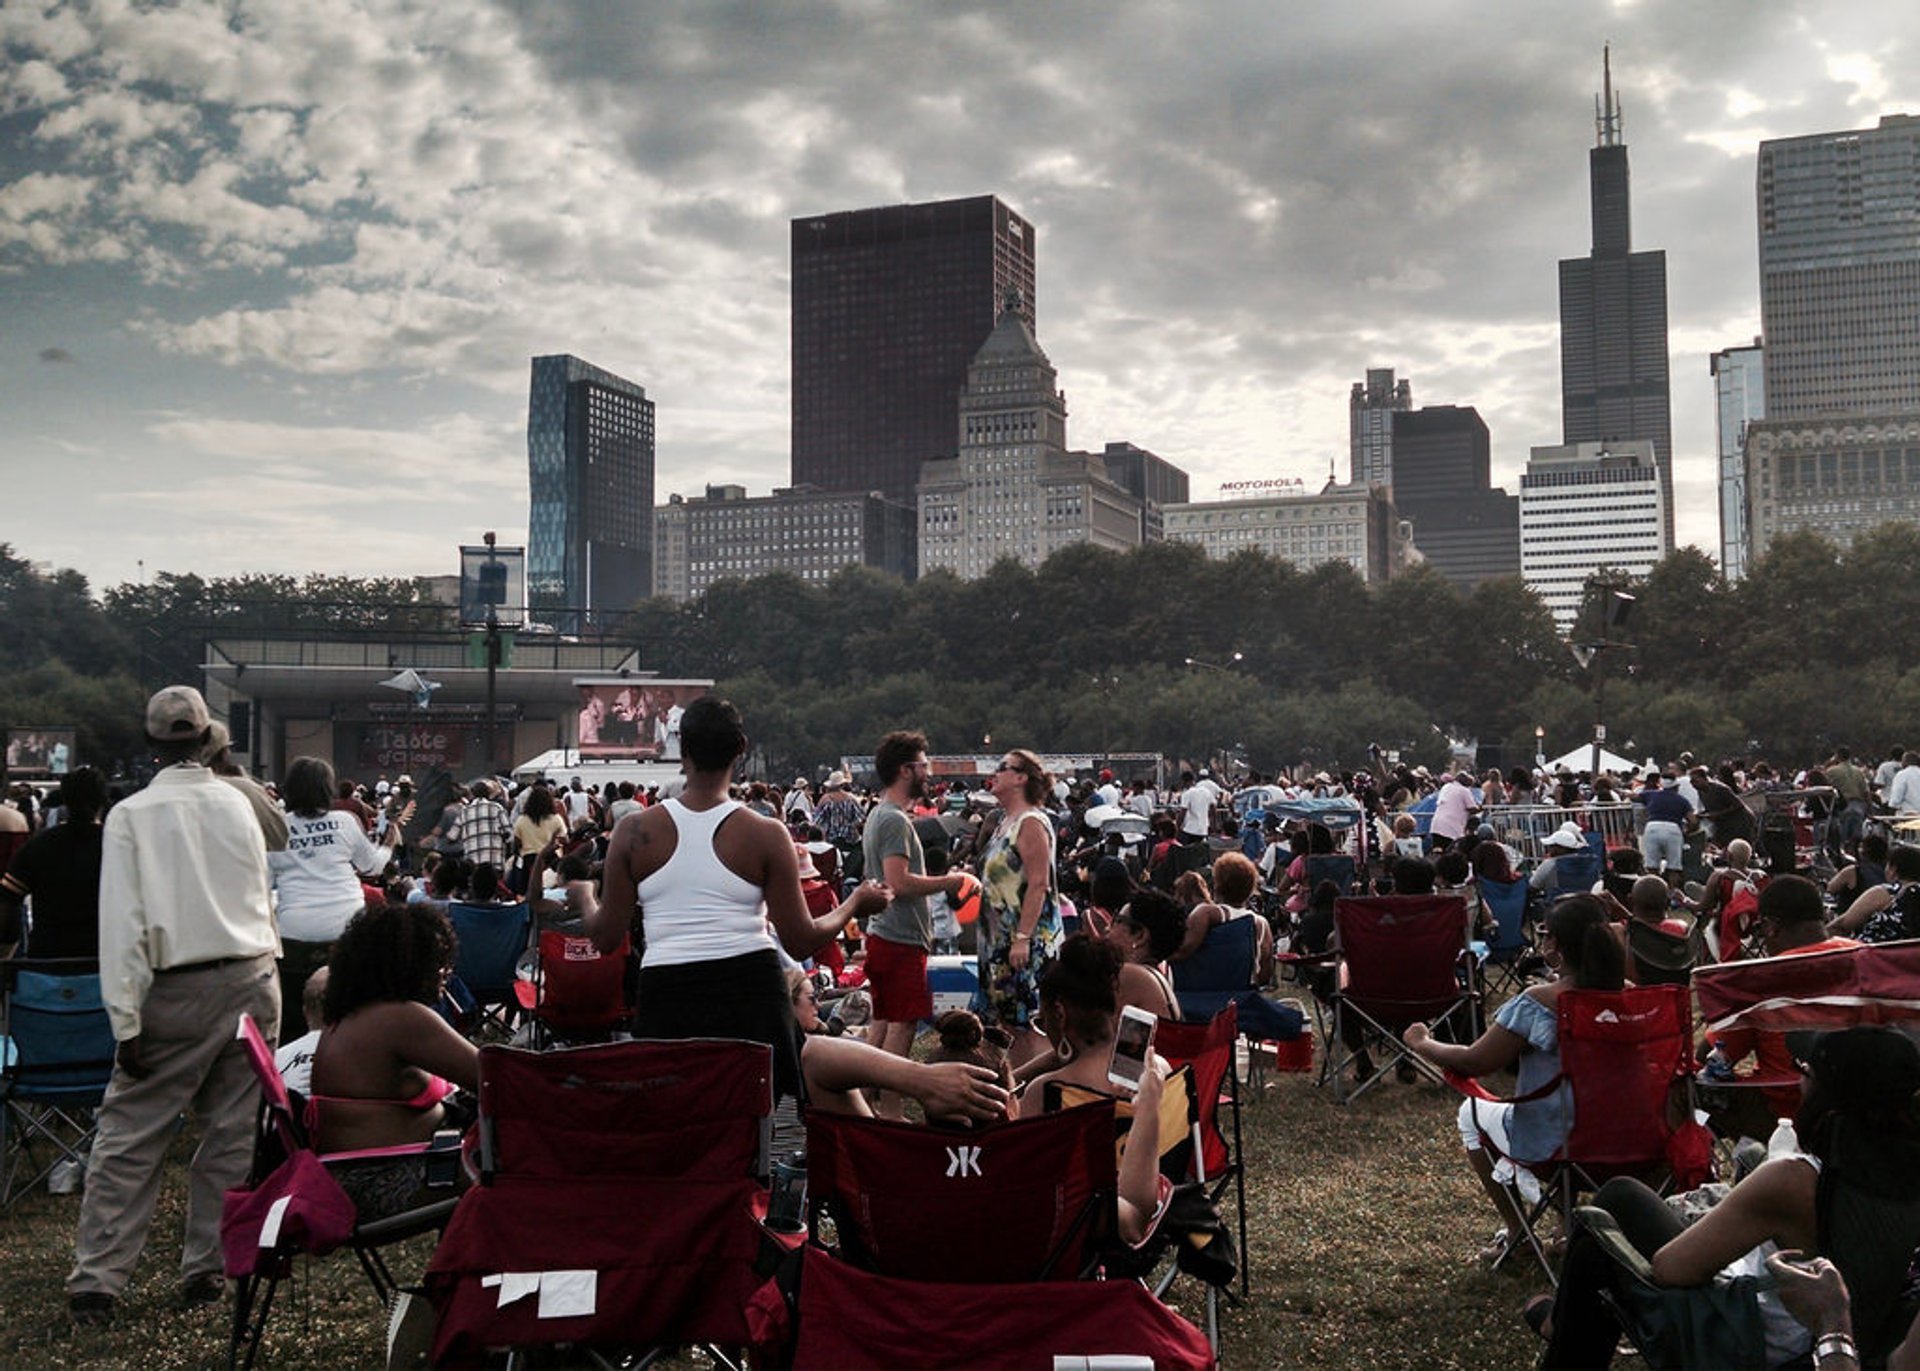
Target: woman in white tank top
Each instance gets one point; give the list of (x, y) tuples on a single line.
[(706, 876)]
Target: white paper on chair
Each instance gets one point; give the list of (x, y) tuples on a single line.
[(567, 1294), (514, 1285), (270, 1227)]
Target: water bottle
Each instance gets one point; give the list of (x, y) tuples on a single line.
[(1784, 1142), (64, 1177), (1718, 1067), (787, 1202)]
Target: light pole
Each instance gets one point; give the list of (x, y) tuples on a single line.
[(1232, 662), (493, 589), (1614, 609), (1539, 747)]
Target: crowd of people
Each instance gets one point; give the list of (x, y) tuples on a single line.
[(812, 918)]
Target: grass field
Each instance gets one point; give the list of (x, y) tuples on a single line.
[(1363, 1225)]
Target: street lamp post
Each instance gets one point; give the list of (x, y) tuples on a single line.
[(492, 651), (1614, 609)]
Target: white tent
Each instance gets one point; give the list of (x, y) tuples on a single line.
[(1581, 759)]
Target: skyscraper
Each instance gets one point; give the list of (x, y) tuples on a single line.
[(1613, 317), (1370, 411), (1443, 485), (1738, 400), (590, 463), (1839, 449), (1587, 508), (889, 306), (1013, 489), (1840, 271)]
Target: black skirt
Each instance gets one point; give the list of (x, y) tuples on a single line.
[(741, 997)]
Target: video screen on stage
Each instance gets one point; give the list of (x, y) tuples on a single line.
[(633, 720), (39, 752)]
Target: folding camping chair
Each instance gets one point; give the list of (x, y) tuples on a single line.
[(573, 992), (1160, 1258), (1337, 867), (1220, 969), (618, 1205), (1209, 1049), (56, 1058), (1511, 945), (1756, 1002), (1404, 960), (1657, 957), (1624, 1054), (850, 1319), (488, 941), (1035, 1197), (1575, 872), (961, 1248), (260, 1247)]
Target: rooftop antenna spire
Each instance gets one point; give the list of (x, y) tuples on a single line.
[(1606, 108)]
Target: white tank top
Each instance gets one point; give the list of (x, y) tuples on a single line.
[(695, 909)]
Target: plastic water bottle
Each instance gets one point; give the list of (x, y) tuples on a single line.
[(64, 1178), (1718, 1068), (1784, 1142)]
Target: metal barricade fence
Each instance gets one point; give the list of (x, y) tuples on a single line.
[(1526, 827)]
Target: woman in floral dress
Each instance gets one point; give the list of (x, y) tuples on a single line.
[(1020, 923)]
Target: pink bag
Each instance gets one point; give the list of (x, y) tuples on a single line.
[(298, 1208)]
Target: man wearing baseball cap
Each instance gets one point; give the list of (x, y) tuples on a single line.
[(187, 944)]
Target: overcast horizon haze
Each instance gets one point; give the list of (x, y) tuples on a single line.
[(272, 272)]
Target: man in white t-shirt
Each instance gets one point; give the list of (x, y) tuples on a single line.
[(1197, 799), (1452, 808), (1108, 791)]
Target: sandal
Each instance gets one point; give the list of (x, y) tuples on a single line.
[(1539, 1314), (1496, 1249)]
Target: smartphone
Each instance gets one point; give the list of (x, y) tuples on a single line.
[(1132, 1045)]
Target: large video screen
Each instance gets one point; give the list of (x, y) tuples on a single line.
[(39, 752), (633, 720)]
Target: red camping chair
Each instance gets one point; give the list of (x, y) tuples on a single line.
[(855, 1320), (618, 1201), (1209, 1050), (576, 992), (1404, 959), (912, 1202), (1623, 1053), (1756, 1002), (313, 1215)]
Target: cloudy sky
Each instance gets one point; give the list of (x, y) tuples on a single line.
[(271, 270)]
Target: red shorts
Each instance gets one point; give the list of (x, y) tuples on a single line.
[(897, 980)]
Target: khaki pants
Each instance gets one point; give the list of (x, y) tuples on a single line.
[(193, 1059)]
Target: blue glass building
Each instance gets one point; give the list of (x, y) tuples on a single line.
[(590, 465)]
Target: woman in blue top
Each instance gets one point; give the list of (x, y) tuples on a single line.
[(1586, 955)]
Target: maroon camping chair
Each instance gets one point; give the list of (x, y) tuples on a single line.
[(577, 992), (1404, 959), (1209, 1049), (619, 1204), (855, 1320), (1626, 1057), (910, 1201), (292, 1206), (965, 1247)]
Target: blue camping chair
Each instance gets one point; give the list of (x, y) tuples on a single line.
[(1331, 866), (1574, 873), (490, 940), (1503, 955), (58, 1061), (1220, 970)]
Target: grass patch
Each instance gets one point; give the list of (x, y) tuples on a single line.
[(1363, 1223)]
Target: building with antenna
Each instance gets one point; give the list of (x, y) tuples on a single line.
[(1613, 316)]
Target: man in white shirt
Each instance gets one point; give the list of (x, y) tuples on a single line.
[(1452, 808), (799, 805), (1197, 799), (1108, 791), (187, 944), (1903, 795)]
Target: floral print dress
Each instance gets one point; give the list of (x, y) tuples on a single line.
[(1008, 997)]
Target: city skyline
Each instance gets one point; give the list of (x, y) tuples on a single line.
[(274, 283)]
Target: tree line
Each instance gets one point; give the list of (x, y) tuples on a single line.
[(1155, 650)]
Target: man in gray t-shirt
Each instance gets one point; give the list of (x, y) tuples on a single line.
[(900, 936)]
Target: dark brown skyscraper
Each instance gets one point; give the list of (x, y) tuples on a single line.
[(889, 306), (1613, 319)]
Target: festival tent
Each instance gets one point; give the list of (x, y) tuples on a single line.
[(1581, 759)]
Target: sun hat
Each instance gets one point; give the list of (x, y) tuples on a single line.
[(1567, 836)]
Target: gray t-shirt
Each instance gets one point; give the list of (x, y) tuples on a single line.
[(890, 834)]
